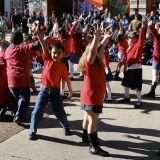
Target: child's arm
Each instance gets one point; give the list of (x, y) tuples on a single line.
[(141, 38), (41, 40), (152, 29), (103, 44), (69, 88), (93, 49)]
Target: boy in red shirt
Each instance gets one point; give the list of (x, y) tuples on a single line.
[(54, 70), (155, 31), (18, 60), (93, 90), (133, 75)]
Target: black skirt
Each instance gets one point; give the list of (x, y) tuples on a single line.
[(133, 79)]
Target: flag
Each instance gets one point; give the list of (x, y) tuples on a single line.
[(98, 3)]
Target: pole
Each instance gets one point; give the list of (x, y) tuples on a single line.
[(138, 4)]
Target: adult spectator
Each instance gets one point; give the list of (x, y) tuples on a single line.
[(24, 22), (135, 24), (40, 18), (51, 22), (16, 21), (132, 17), (31, 21), (3, 28)]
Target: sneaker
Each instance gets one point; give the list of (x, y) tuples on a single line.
[(67, 132), (81, 76), (138, 105), (32, 136), (122, 100)]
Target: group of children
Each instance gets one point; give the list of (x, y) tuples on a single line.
[(59, 56)]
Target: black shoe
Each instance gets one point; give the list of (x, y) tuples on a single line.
[(32, 136), (65, 96), (122, 100), (108, 100), (71, 78), (17, 120), (67, 132), (158, 153), (138, 105), (117, 78), (98, 151), (149, 95)]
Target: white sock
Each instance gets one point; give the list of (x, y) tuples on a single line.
[(109, 93), (71, 69), (62, 91), (139, 99), (126, 90)]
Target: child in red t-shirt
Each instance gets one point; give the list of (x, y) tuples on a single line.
[(122, 48), (133, 74), (54, 70), (4, 91), (93, 90), (155, 31)]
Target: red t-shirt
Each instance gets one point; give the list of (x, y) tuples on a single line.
[(123, 45), (4, 92), (53, 72), (156, 52), (94, 84), (134, 52), (18, 60)]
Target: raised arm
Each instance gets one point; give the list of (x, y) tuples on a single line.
[(142, 32), (93, 50), (152, 29), (102, 45), (71, 32), (41, 40)]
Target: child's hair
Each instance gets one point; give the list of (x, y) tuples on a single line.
[(81, 66), (17, 37), (63, 32), (81, 61), (58, 46), (133, 34)]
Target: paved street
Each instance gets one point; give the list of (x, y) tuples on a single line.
[(127, 133)]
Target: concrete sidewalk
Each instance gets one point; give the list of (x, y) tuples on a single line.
[(127, 133)]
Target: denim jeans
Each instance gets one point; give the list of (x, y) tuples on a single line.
[(19, 101), (45, 95)]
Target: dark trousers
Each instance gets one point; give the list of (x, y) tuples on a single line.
[(19, 101)]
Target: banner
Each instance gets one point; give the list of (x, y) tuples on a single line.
[(98, 3)]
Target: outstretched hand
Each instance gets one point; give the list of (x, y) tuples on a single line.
[(97, 31)]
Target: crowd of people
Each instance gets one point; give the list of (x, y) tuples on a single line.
[(91, 40)]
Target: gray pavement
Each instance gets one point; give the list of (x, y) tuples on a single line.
[(127, 133)]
